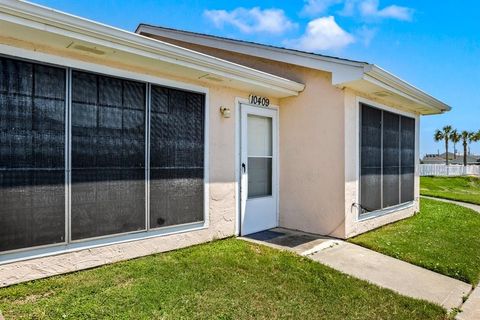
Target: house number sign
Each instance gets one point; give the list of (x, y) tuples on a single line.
[(259, 101)]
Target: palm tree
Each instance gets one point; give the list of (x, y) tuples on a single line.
[(475, 137), (467, 137), (444, 135), (455, 138)]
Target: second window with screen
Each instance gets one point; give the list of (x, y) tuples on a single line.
[(387, 151)]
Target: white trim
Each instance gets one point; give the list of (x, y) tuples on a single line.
[(238, 102), (385, 211), (384, 107), (343, 71), (388, 80), (296, 57), (276, 155), (34, 56), (56, 249), (206, 161), (391, 209), (53, 21)]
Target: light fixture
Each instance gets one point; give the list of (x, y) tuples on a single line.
[(225, 111)]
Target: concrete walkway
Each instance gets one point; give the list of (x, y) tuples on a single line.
[(394, 274), (471, 307), (463, 204), (369, 265)]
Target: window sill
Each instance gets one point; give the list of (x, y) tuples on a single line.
[(383, 212), (56, 249)]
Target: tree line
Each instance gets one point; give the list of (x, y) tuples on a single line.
[(447, 134)]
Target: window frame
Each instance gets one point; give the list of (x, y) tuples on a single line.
[(382, 107), (70, 245)]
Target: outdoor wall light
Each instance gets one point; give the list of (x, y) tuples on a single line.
[(225, 111)]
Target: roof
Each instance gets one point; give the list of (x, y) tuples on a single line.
[(141, 27), (356, 75), (38, 25)]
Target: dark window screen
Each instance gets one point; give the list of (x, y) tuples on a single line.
[(387, 159), (408, 159), (108, 155), (371, 158), (32, 156), (176, 157), (391, 159)]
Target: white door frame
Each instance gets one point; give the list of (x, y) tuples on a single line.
[(276, 183)]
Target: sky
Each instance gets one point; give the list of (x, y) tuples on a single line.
[(432, 44)]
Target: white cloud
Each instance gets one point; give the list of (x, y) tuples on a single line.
[(369, 8), (252, 20), (366, 35), (313, 7), (349, 8), (322, 34)]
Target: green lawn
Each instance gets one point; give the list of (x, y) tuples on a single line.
[(227, 279), (466, 189), (443, 237)]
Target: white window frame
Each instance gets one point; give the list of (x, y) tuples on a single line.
[(68, 245), (402, 206)]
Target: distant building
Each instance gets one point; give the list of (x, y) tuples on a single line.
[(434, 158)]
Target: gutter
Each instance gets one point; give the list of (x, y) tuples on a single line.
[(45, 19)]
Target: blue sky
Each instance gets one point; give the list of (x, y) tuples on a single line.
[(435, 45)]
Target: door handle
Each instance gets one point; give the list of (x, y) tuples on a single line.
[(244, 167)]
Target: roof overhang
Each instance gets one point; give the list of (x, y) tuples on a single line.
[(374, 81), (43, 29), (359, 76)]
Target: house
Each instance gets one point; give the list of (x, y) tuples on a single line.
[(117, 145), (452, 159)]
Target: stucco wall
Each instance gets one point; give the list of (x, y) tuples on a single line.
[(353, 226), (222, 201), (312, 157), (311, 151)]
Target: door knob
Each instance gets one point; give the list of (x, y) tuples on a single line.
[(244, 167)]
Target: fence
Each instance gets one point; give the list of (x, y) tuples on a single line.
[(451, 170)]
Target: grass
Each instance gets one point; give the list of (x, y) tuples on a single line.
[(443, 237), (227, 279), (466, 189)]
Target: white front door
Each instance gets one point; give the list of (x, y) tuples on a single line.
[(259, 190)]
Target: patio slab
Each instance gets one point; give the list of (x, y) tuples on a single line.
[(374, 267), (299, 242)]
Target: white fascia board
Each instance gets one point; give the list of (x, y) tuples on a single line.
[(376, 74), (304, 59), (49, 20), (343, 71)]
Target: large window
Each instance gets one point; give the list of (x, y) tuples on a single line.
[(108, 155), (387, 159), (176, 157), (74, 159), (32, 154)]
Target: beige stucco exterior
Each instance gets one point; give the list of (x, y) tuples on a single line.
[(318, 162), (319, 139), (222, 212)]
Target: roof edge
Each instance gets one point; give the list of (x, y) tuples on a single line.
[(176, 54), (343, 71), (395, 82)]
